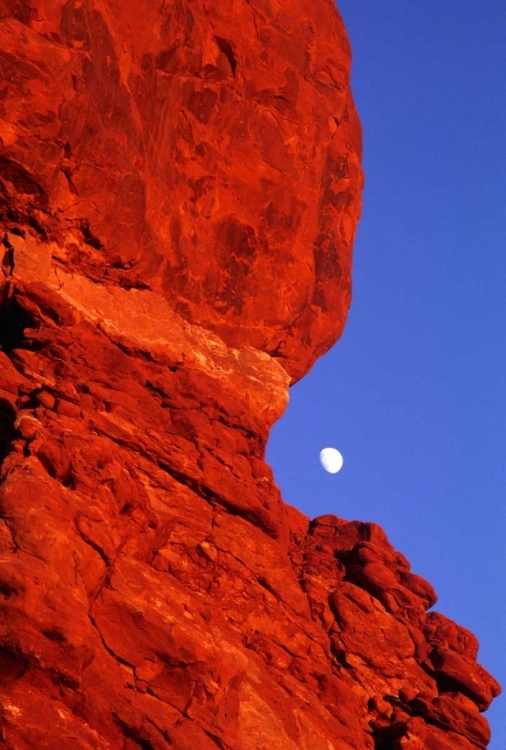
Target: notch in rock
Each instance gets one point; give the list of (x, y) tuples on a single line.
[(7, 429), (13, 321), (7, 257), (88, 236), (228, 51)]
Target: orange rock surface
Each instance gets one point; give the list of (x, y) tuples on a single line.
[(206, 151), (179, 190)]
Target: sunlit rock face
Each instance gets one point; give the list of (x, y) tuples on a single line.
[(179, 189), (206, 151)]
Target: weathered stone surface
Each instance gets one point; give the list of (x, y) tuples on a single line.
[(207, 152), (155, 590), (179, 188)]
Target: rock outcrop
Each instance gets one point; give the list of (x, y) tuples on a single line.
[(179, 190), (209, 152)]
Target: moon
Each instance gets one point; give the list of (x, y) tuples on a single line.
[(331, 460)]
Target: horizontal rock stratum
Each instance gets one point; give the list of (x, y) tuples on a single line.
[(179, 190)]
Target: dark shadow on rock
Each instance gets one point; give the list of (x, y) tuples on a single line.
[(7, 429), (13, 321)]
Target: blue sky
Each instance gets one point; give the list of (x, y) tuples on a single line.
[(414, 392)]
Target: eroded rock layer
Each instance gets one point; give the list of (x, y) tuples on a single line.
[(179, 188), (155, 591)]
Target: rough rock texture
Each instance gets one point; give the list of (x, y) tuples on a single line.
[(207, 151), (179, 188)]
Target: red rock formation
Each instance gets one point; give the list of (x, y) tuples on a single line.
[(179, 189), (207, 151)]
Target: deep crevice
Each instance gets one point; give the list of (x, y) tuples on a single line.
[(13, 664), (88, 237), (229, 53), (384, 737), (94, 545), (7, 589), (13, 321), (133, 733), (7, 429), (8, 256)]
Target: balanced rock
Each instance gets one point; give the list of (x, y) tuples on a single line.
[(179, 190)]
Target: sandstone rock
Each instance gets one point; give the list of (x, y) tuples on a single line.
[(179, 189), (155, 590), (183, 154)]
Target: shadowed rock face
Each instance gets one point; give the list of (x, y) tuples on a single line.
[(179, 188), (206, 151)]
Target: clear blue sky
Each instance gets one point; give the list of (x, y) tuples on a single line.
[(414, 392)]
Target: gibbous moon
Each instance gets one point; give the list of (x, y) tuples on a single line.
[(331, 460)]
